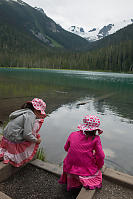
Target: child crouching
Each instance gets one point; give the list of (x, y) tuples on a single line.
[(85, 156), (20, 137)]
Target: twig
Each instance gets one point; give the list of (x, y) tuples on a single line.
[(98, 99)]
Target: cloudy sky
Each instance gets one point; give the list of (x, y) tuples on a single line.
[(85, 13)]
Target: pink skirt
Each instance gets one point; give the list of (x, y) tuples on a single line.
[(19, 154), (75, 181)]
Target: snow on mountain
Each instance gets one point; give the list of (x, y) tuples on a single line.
[(78, 31), (99, 33), (40, 10)]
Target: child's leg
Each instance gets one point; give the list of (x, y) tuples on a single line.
[(73, 181)]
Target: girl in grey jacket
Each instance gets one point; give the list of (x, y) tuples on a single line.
[(20, 137)]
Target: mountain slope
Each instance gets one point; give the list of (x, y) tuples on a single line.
[(34, 24), (95, 34), (123, 35), (114, 52), (28, 38)]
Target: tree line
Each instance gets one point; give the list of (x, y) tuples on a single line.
[(18, 50)]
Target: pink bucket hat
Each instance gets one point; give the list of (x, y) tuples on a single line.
[(39, 104), (90, 123)]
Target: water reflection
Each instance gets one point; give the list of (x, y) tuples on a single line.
[(108, 95), (116, 140)]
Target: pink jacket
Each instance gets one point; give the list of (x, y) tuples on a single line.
[(85, 156)]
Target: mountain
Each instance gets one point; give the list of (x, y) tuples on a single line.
[(29, 38), (114, 52), (22, 22), (95, 34)]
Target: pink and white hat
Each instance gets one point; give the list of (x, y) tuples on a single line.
[(39, 104), (90, 123)]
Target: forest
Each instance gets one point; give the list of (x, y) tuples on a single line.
[(117, 58), (50, 46)]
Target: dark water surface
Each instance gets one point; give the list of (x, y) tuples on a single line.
[(108, 95)]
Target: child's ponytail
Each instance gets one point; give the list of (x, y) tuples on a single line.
[(90, 134), (28, 105)]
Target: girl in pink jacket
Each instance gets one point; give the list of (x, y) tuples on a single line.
[(85, 156)]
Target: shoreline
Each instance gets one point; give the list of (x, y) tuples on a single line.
[(54, 69), (115, 184)]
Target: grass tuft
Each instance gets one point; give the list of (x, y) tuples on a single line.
[(40, 154)]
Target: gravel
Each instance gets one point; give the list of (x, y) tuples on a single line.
[(33, 183), (111, 190)]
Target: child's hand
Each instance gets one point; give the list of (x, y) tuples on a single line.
[(41, 120), (45, 115), (38, 141)]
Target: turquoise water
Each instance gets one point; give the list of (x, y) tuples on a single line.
[(108, 95)]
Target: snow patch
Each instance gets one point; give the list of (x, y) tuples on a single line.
[(94, 34)]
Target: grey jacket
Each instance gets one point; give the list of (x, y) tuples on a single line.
[(20, 126)]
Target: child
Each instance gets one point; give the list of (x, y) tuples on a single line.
[(85, 156), (20, 137)]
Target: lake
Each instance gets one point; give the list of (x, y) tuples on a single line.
[(70, 95)]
